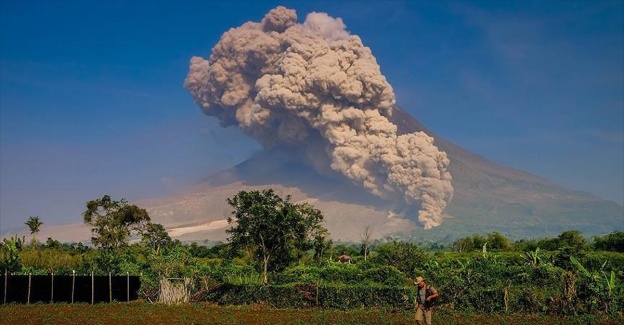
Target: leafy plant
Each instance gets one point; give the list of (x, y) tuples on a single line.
[(597, 287), (9, 258)]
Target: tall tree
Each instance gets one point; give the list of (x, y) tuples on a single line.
[(465, 244), (406, 257), (155, 236), (113, 222), (573, 239), (34, 224), (272, 226), (366, 241), (612, 242), (498, 241)]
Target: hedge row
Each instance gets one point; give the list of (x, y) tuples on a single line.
[(300, 295)]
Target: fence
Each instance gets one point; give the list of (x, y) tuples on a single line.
[(68, 288)]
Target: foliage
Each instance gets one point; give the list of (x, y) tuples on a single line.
[(298, 295), (463, 245), (385, 275), (613, 242), (155, 236), (9, 254), (475, 242), (322, 245), (534, 258), (573, 239), (524, 245), (34, 224), (51, 260), (482, 274), (344, 249), (406, 257), (273, 227), (112, 222), (365, 241), (597, 288), (496, 241)]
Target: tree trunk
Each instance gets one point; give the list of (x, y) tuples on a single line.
[(265, 277)]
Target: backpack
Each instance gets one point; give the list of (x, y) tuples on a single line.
[(429, 292)]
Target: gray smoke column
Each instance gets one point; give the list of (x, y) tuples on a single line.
[(316, 90)]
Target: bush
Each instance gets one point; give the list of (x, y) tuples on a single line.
[(341, 273), (360, 296), (385, 275), (300, 295), (300, 273), (232, 273)]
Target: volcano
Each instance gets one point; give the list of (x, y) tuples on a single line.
[(488, 197)]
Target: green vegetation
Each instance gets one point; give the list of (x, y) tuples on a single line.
[(112, 222), (275, 230), (34, 224), (278, 256)]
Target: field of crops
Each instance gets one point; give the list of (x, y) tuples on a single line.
[(204, 313)]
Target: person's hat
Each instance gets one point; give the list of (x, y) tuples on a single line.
[(418, 280)]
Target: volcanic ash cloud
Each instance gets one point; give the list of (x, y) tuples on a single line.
[(314, 89)]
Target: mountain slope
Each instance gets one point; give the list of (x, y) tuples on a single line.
[(488, 197)]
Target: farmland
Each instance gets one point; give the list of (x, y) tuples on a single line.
[(280, 267), (205, 313)]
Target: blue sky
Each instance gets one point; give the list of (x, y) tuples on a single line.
[(92, 103)]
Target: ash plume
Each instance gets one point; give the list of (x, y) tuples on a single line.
[(316, 91)]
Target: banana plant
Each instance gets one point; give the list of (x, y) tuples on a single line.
[(580, 267), (610, 282), (604, 280), (484, 250), (10, 253), (534, 258)]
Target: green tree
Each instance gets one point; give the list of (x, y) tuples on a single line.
[(464, 245), (322, 245), (524, 245), (549, 244), (113, 222), (497, 241), (406, 257), (9, 254), (613, 242), (366, 241), (573, 239), (34, 224), (478, 241), (155, 236), (271, 226)]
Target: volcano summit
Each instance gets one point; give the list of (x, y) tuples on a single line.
[(314, 97)]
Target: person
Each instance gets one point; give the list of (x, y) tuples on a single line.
[(424, 301)]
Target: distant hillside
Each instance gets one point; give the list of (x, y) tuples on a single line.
[(488, 197)]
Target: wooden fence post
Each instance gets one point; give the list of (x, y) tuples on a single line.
[(52, 293), (127, 286), (110, 288), (29, 282), (92, 288), (6, 274), (73, 284)]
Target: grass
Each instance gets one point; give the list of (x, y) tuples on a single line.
[(204, 313)]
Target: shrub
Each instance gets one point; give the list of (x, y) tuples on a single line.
[(385, 275), (298, 295)]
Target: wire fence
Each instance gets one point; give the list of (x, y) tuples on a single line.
[(27, 289)]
